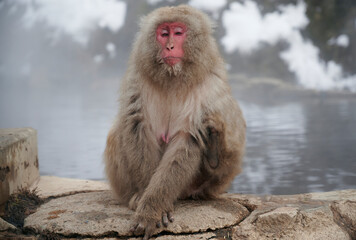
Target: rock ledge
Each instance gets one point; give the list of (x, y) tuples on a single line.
[(87, 209)]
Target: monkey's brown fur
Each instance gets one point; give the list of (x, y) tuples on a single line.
[(192, 102)]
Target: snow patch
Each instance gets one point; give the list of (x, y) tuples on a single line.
[(213, 7), (111, 48), (154, 2), (98, 58), (75, 18), (246, 30), (341, 41)]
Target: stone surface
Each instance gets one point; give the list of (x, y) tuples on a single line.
[(345, 216), (18, 160), (97, 214), (304, 216), (190, 237), (85, 209), (16, 236), (254, 201), (51, 186), (196, 236), (294, 222), (333, 195)]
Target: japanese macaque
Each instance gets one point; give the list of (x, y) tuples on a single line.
[(179, 133)]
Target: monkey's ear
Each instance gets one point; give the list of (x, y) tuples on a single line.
[(148, 24), (199, 21), (144, 22)]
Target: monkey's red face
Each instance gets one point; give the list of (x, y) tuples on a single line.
[(171, 37)]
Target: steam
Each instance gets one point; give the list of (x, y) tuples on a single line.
[(111, 48), (246, 28), (75, 18), (342, 41), (213, 7), (154, 2)]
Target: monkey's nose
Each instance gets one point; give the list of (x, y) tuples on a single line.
[(170, 46)]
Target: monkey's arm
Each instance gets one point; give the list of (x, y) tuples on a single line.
[(176, 170)]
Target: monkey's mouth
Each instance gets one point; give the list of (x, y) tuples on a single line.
[(172, 60)]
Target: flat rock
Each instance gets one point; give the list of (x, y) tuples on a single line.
[(97, 214), (195, 236), (349, 194), (85, 209), (303, 216), (345, 215), (291, 223), (256, 201), (51, 186)]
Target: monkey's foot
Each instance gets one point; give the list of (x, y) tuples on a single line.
[(147, 226)]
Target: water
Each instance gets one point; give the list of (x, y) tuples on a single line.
[(295, 146), (72, 123), (303, 146)]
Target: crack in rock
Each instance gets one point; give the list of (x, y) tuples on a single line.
[(345, 216)]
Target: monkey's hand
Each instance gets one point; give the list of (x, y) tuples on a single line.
[(146, 226), (214, 142), (213, 145)]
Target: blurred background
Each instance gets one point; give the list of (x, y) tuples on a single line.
[(292, 67)]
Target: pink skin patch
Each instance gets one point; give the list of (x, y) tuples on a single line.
[(165, 138), (171, 37)]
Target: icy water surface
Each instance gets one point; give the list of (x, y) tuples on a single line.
[(302, 146)]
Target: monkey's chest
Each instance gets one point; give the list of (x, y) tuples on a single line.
[(167, 122), (167, 118)]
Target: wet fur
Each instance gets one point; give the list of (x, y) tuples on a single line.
[(191, 102)]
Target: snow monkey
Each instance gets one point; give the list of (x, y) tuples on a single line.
[(179, 133)]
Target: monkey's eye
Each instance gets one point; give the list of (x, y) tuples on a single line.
[(164, 33), (178, 31)]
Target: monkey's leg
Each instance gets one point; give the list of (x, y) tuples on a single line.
[(116, 173), (175, 172), (131, 157)]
